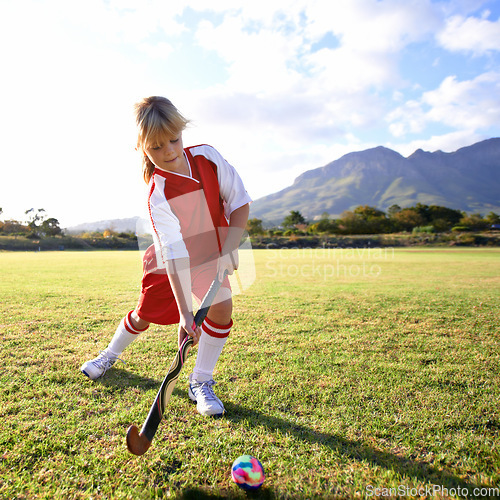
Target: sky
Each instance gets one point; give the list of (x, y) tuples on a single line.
[(277, 86)]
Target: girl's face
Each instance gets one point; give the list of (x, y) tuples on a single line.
[(167, 154)]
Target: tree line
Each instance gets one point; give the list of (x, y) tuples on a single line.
[(365, 219), (36, 225)]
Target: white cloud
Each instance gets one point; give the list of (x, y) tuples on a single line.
[(258, 60), (343, 70), (408, 118), (159, 51), (469, 104), (473, 103), (265, 49), (371, 26), (132, 21), (470, 34)]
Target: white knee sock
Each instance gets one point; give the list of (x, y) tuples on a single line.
[(125, 334), (212, 340)]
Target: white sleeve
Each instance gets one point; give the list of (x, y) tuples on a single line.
[(231, 186), (167, 234)]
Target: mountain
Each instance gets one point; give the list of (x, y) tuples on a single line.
[(117, 225), (467, 179)]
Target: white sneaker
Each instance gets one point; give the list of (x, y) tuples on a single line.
[(99, 366), (207, 403)]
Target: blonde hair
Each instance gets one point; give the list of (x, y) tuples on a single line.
[(156, 118)]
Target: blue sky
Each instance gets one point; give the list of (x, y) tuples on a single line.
[(278, 86)]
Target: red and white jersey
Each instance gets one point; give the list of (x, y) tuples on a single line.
[(189, 213)]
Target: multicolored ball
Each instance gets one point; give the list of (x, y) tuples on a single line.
[(247, 472)]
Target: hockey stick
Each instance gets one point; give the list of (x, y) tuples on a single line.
[(139, 442)]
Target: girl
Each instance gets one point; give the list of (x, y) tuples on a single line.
[(198, 208)]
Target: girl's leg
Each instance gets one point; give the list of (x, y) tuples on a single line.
[(215, 331), (129, 329), (222, 309)]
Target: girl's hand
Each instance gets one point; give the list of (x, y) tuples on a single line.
[(186, 324), (228, 262)]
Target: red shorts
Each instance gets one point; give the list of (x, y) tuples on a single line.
[(157, 303)]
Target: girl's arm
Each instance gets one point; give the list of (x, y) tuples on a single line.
[(229, 259), (179, 275)]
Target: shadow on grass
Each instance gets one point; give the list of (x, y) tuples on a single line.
[(357, 450), (420, 471), (121, 379), (199, 494)]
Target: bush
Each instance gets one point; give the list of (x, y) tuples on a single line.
[(466, 239), (423, 229), (129, 236)]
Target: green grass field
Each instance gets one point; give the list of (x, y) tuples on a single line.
[(348, 373)]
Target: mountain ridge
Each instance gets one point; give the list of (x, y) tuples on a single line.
[(467, 179), (118, 225)]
